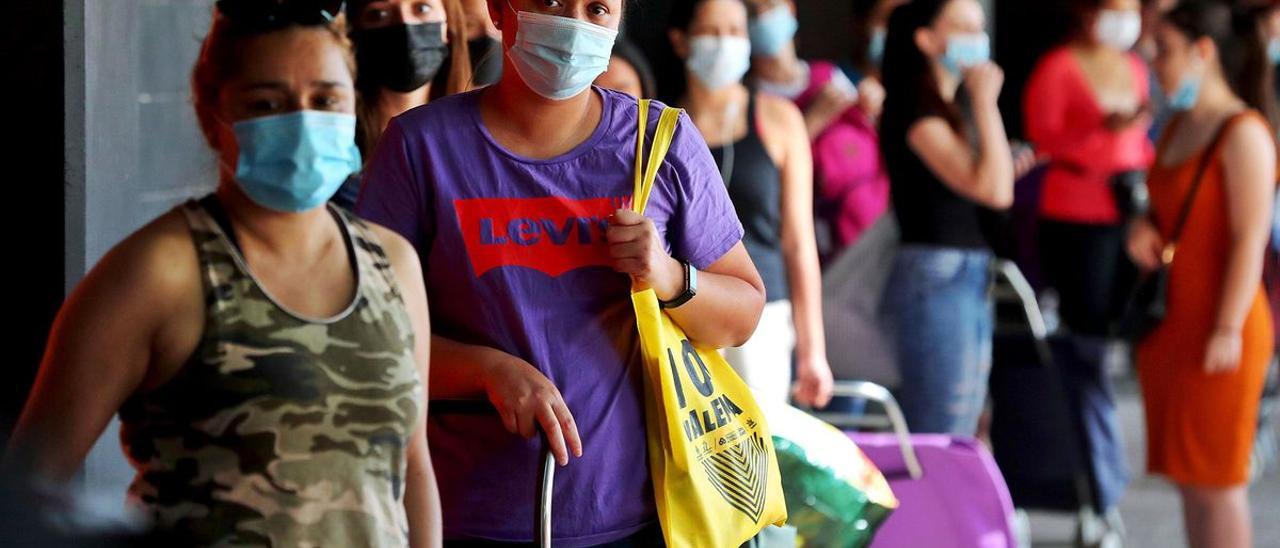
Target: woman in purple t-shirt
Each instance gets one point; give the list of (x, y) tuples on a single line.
[(514, 196)]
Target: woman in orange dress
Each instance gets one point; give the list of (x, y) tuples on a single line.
[(1202, 369)]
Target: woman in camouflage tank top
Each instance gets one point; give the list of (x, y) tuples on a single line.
[(269, 382)]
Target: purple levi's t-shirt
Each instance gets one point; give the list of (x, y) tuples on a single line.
[(515, 258)]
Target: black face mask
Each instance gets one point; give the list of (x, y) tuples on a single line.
[(486, 60), (401, 57)]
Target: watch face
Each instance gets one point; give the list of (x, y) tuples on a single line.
[(693, 279)]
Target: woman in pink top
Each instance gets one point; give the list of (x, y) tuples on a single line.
[(851, 187), (1086, 111)]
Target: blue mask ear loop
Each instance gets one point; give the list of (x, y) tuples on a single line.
[(502, 43), (514, 13), (231, 168), (488, 57)]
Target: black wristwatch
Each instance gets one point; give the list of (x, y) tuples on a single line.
[(690, 288)]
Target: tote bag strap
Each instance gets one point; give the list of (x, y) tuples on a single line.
[(647, 172)]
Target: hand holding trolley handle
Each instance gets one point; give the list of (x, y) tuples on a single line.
[(526, 400), (545, 484)]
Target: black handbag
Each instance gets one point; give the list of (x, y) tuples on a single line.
[(1148, 303), (1129, 188)]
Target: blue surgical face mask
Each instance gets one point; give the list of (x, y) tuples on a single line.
[(1184, 97), (965, 51), (772, 30), (717, 61), (296, 161), (875, 49), (1273, 50), (559, 57)]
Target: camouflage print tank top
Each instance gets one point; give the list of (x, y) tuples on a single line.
[(281, 430)]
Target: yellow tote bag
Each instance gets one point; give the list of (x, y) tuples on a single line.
[(715, 475)]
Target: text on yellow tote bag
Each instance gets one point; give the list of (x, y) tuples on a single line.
[(714, 471)]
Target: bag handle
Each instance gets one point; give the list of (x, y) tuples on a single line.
[(1171, 248), (647, 172)]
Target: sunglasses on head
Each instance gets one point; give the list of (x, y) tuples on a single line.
[(266, 14)]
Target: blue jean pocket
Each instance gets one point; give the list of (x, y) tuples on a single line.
[(921, 270)]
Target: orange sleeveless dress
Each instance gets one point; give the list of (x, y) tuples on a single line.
[(1200, 427)]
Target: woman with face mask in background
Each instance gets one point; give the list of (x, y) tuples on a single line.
[(840, 118), (935, 302), (761, 146), (1202, 368), (828, 93), (401, 46), (1086, 112), (255, 409), (870, 21), (514, 195)]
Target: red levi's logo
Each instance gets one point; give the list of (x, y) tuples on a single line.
[(550, 235)]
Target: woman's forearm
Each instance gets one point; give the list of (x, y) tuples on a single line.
[(459, 370), (995, 164), (806, 313), (805, 277)]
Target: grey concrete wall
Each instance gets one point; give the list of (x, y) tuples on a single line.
[(133, 148)]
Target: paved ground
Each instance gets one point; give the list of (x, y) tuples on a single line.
[(1150, 509)]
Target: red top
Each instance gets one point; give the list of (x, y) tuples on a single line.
[(1066, 123)]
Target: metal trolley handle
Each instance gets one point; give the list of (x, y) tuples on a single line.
[(1026, 297), (874, 392), (877, 393), (546, 483)]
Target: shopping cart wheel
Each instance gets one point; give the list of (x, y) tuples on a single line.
[(1022, 528), (1100, 531)]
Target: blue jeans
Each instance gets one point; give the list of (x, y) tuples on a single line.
[(937, 308)]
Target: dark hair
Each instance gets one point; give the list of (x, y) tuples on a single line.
[(625, 50), (1242, 51), (1252, 73), (1080, 11), (683, 12), (221, 51), (911, 89)]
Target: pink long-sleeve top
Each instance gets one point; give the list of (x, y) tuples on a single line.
[(1066, 123)]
